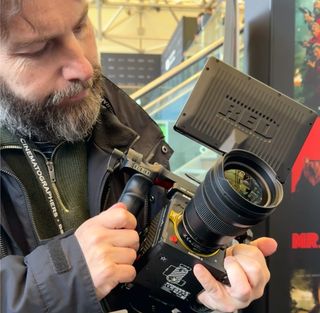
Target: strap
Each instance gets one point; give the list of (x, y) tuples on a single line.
[(45, 186), (59, 260)]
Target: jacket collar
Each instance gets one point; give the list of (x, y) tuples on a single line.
[(109, 133), (7, 138)]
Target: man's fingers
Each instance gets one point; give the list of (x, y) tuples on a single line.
[(127, 238), (252, 260), (125, 273), (206, 280), (256, 275), (112, 276), (212, 294), (248, 274), (240, 285), (215, 295), (122, 255), (117, 217), (266, 245)]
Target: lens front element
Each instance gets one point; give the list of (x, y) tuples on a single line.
[(249, 187), (238, 192)]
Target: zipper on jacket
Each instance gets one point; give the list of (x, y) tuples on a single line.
[(28, 204), (11, 147), (51, 172), (52, 175)]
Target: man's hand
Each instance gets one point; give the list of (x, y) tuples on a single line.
[(247, 272), (109, 244)]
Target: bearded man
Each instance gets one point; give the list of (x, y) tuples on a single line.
[(66, 244)]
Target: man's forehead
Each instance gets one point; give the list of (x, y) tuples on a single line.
[(45, 18)]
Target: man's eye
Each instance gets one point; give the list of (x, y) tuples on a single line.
[(37, 51), (40, 51), (80, 28)]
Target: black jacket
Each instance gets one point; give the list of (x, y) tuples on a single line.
[(50, 274)]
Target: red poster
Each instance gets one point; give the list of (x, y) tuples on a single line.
[(304, 208)]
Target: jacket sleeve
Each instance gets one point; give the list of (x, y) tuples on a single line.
[(52, 278)]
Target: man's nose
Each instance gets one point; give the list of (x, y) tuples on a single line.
[(76, 65)]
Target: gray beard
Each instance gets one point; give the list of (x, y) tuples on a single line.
[(49, 121)]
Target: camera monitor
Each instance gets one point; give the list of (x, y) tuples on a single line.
[(228, 109)]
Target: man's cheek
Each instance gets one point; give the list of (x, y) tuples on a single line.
[(31, 91), (24, 79)]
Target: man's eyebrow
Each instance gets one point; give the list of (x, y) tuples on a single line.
[(83, 16), (41, 39)]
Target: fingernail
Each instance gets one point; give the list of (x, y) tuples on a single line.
[(197, 268), (229, 260), (119, 205)]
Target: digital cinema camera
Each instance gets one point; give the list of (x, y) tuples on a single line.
[(260, 132)]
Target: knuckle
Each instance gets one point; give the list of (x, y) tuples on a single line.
[(129, 275), (243, 294), (267, 275), (135, 236), (83, 229), (132, 274), (132, 255), (109, 271), (133, 239), (93, 239), (254, 252), (112, 283), (230, 308), (256, 269), (212, 289), (133, 220), (259, 293), (122, 214), (248, 250)]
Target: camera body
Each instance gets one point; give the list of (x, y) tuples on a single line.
[(164, 264), (259, 132), (198, 223)]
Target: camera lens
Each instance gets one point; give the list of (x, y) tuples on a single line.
[(247, 186), (240, 191)]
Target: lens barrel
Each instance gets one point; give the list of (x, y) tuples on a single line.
[(238, 192)]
